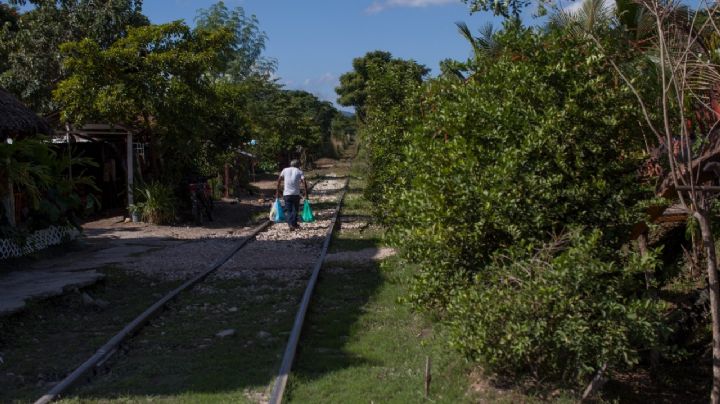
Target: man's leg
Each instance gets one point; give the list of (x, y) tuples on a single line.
[(296, 209), (291, 207)]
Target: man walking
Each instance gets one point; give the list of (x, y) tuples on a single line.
[(291, 193)]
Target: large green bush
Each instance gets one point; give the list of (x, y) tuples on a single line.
[(540, 138), (560, 312)]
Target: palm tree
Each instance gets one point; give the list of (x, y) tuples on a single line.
[(593, 17), (484, 45)]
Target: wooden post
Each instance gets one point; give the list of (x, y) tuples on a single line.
[(428, 376), (130, 169), (67, 140), (227, 180)]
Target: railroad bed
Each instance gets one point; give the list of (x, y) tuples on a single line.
[(228, 330)]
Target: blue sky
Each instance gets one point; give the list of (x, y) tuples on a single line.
[(315, 41)]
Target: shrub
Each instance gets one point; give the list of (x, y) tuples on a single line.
[(157, 202), (558, 313), (540, 139)]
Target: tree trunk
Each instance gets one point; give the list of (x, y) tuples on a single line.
[(652, 291), (709, 244)]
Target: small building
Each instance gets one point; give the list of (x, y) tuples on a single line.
[(119, 158)]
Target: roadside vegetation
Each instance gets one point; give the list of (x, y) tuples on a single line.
[(357, 335), (523, 186)]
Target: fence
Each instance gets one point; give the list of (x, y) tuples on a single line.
[(37, 241)]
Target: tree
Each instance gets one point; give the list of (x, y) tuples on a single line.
[(245, 56), (351, 90), (155, 80), (382, 89), (9, 18), (296, 124), (34, 62), (507, 9)]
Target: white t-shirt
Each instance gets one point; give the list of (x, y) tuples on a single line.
[(292, 177)]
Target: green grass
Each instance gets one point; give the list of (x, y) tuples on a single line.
[(353, 240), (360, 345)]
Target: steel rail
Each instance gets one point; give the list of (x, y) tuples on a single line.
[(281, 380), (111, 346)]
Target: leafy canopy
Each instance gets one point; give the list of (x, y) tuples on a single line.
[(33, 67), (244, 58)]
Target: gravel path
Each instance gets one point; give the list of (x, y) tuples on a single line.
[(276, 253), (285, 255)]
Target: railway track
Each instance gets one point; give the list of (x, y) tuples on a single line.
[(99, 359)]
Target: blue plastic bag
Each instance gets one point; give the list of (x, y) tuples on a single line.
[(276, 211)]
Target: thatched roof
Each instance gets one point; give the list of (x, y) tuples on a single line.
[(17, 119)]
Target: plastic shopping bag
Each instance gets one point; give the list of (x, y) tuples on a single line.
[(276, 211), (273, 212), (307, 215)]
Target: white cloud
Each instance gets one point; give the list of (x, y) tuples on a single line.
[(576, 6), (322, 86), (380, 5)]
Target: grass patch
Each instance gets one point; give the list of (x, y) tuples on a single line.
[(44, 342), (356, 205), (360, 345), (354, 240)]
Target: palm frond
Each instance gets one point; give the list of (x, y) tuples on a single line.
[(465, 32)]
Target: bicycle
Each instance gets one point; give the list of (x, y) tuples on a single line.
[(201, 200)]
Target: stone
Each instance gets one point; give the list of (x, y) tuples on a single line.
[(103, 304), (87, 300), (263, 335), (127, 220), (226, 333), (233, 310)]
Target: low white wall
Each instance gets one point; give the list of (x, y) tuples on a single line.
[(37, 241)]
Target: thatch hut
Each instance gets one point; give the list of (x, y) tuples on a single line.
[(16, 121)]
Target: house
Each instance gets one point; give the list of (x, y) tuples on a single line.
[(111, 147)]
